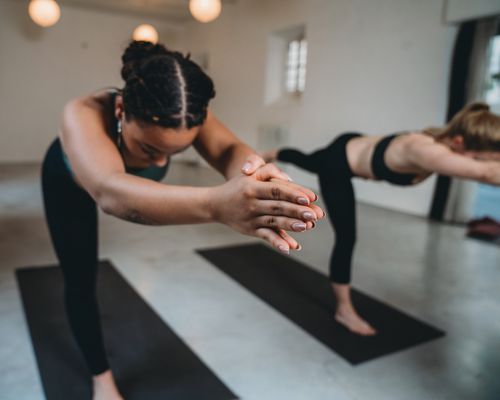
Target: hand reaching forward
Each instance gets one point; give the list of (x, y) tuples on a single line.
[(265, 203)]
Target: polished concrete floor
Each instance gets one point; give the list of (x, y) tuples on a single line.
[(426, 269)]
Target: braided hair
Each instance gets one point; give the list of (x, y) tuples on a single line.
[(164, 87)]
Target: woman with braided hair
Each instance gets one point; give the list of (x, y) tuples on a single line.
[(468, 147), (113, 148)]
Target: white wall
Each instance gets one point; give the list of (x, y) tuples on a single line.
[(40, 69), (462, 10), (374, 66)]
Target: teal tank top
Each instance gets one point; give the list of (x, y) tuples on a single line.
[(153, 172)]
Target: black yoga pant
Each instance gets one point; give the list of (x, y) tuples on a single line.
[(72, 220), (335, 176)]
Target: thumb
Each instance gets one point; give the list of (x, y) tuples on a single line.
[(252, 163)]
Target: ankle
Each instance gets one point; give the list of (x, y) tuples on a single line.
[(345, 307), (104, 378)]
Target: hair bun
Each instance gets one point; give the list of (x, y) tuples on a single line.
[(136, 52), (478, 107)]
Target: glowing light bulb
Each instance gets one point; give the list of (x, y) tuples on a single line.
[(205, 10), (146, 33), (44, 12)]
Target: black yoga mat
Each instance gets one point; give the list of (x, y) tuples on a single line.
[(149, 360), (304, 296)]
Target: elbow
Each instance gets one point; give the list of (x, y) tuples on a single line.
[(107, 206), (490, 173), (105, 200), (109, 196)]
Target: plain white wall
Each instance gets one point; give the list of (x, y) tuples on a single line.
[(373, 66), (41, 69), (462, 10)]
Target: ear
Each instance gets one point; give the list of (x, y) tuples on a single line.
[(119, 109), (458, 142)]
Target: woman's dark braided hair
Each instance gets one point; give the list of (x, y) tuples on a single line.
[(164, 87)]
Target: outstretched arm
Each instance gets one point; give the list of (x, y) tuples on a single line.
[(437, 158), (231, 157), (227, 153), (246, 204)]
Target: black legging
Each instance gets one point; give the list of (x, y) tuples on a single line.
[(72, 219), (335, 175)]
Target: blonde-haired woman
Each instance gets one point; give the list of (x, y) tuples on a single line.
[(467, 147)]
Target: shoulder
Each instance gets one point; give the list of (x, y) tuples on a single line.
[(416, 140), (96, 102), (419, 146), (417, 137)]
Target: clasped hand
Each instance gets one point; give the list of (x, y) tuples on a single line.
[(263, 202)]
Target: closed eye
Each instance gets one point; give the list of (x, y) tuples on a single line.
[(149, 151)]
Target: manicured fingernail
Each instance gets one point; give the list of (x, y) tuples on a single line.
[(299, 226), (246, 167), (283, 249), (299, 247), (308, 215), (303, 201), (313, 224), (315, 197)]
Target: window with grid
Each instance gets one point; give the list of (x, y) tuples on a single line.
[(296, 66)]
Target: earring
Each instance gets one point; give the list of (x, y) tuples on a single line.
[(119, 133)]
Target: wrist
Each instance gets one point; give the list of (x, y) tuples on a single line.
[(210, 203)]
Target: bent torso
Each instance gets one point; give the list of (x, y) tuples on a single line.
[(360, 153)]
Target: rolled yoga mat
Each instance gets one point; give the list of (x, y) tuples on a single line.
[(149, 360), (305, 297)]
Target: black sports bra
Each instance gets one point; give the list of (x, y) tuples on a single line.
[(382, 171)]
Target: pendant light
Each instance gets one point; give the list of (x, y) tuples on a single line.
[(44, 12), (146, 33), (205, 10)]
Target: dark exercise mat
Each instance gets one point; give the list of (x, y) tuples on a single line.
[(148, 359), (305, 297)]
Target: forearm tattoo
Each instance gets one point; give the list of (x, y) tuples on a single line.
[(137, 218)]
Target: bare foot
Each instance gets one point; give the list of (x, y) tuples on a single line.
[(348, 317), (270, 155), (105, 387)]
